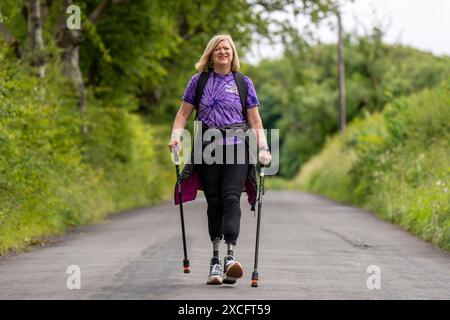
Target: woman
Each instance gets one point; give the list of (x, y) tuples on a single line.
[(220, 106)]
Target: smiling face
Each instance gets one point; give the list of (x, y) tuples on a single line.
[(223, 54)]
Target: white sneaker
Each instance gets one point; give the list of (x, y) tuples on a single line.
[(215, 272), (233, 270)]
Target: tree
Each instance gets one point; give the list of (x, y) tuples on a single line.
[(341, 73), (35, 36), (69, 41)]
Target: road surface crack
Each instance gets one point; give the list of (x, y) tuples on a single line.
[(357, 243)]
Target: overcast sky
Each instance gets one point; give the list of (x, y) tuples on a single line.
[(423, 24)]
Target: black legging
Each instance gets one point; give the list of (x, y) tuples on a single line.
[(223, 185)]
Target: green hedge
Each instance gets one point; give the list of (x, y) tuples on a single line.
[(52, 177), (396, 164)]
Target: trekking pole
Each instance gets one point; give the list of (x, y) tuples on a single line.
[(258, 225), (186, 266)]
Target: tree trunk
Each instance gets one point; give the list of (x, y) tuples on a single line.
[(35, 36), (341, 72), (69, 41)]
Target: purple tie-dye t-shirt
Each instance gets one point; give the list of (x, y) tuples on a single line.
[(220, 103)]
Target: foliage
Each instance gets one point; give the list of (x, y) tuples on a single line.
[(396, 163), (136, 59), (303, 101), (51, 178)]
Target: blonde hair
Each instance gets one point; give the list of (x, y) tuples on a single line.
[(205, 62)]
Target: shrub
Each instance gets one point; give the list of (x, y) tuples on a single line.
[(396, 164), (52, 177)]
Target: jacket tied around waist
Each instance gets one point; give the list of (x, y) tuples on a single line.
[(190, 181)]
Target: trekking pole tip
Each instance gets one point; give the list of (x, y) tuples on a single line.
[(186, 267), (254, 282)]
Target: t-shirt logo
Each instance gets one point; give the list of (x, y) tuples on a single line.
[(231, 89)]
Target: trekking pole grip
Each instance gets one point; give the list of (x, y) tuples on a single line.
[(176, 156), (262, 170)]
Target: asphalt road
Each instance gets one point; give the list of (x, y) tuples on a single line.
[(311, 248)]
